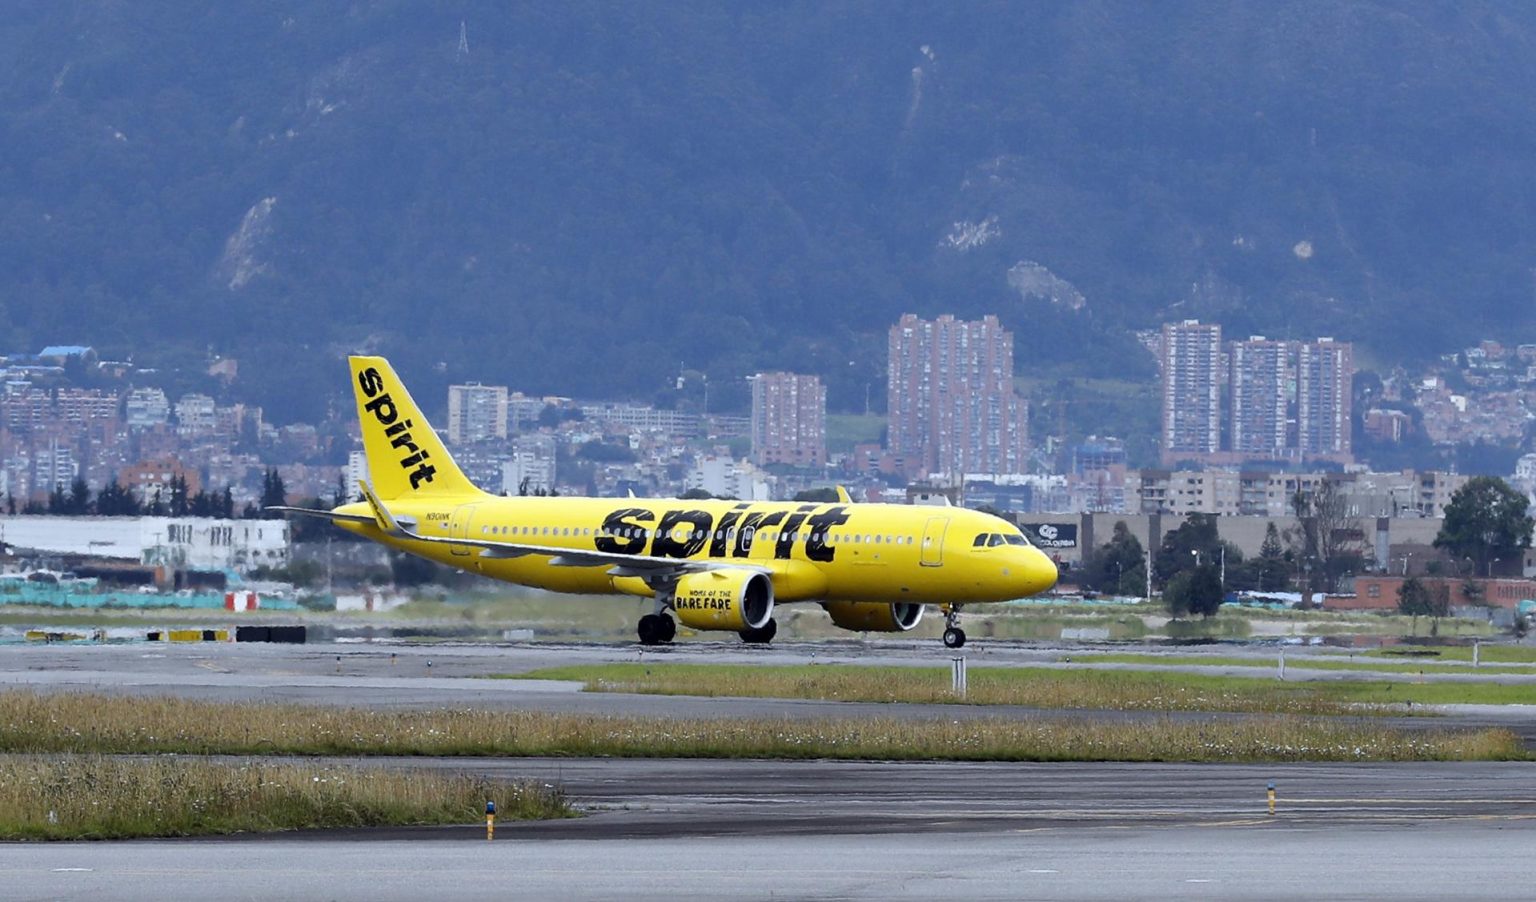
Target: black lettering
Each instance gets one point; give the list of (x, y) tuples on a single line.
[(422, 474), (723, 530), (383, 409), (816, 547), (785, 546), (370, 381), (618, 535), (399, 428), (414, 459), (664, 545)]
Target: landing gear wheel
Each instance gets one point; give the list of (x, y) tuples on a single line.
[(653, 629), (762, 635), (954, 637)]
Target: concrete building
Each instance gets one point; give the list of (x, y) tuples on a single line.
[(721, 475), (150, 480), (1191, 366), (644, 418), (187, 543), (196, 416), (476, 413), (1325, 372), (952, 406), (789, 420), (145, 408), (1259, 398), (533, 459)]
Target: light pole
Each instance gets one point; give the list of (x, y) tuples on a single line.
[(1490, 567)]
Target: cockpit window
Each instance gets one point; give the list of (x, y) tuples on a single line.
[(981, 540), (1015, 540), (995, 540)]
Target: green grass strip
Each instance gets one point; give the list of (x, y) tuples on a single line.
[(1034, 687), (96, 797)]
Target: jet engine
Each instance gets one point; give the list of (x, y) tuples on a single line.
[(724, 600), (874, 616)]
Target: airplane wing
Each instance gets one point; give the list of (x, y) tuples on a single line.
[(618, 564)]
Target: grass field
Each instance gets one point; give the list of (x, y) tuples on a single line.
[(96, 797), (97, 724), (1033, 687), (1366, 664)]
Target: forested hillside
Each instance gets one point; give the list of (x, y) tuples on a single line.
[(583, 197)]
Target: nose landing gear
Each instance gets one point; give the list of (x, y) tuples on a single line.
[(954, 636)]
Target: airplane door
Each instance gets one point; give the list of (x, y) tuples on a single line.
[(458, 527), (933, 542)]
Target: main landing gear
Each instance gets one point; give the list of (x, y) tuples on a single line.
[(656, 629), (762, 635), (954, 636)]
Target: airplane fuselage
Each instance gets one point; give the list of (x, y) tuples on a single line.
[(812, 551)]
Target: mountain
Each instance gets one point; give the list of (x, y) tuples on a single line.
[(587, 197)]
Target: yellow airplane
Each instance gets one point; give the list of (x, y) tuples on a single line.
[(715, 565)]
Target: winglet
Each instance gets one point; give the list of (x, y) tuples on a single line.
[(843, 496)]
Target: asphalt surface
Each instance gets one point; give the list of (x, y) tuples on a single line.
[(874, 830), (698, 829)]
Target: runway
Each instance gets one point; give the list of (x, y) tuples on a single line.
[(875, 830), (708, 829)]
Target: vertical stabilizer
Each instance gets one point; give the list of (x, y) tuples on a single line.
[(405, 455)]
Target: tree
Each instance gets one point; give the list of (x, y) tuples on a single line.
[(1417, 599), (201, 504), (178, 505), (823, 495), (58, 502), (1194, 591), (1194, 543), (1119, 565), (79, 503), (1330, 539), (273, 493), (1271, 564), (1486, 520), (116, 501)]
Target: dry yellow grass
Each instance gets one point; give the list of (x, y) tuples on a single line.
[(109, 725), (96, 797)]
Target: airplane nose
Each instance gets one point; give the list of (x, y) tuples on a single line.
[(1040, 573)]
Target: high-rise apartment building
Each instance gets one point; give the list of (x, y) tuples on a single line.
[(1325, 373), (1261, 388), (952, 406), (476, 413), (1191, 370), (789, 420)]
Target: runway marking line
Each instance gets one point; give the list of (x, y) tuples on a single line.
[(1284, 801)]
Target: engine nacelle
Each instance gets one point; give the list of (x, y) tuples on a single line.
[(724, 600), (875, 616)]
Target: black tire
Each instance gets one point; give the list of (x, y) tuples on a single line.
[(667, 628), (762, 635), (954, 637), (649, 629)]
